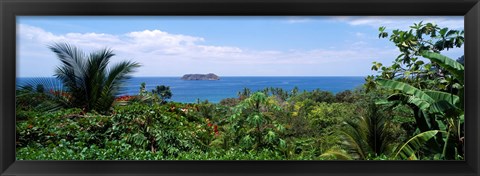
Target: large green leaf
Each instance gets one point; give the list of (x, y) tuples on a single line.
[(422, 104), (413, 145), (439, 96), (442, 107), (447, 63), (417, 99), (409, 99), (444, 102), (405, 88)]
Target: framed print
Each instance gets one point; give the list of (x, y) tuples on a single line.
[(239, 87)]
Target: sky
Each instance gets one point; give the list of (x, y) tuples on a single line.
[(226, 46)]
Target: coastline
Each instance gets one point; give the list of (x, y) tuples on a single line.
[(185, 91)]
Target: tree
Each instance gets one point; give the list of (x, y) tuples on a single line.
[(246, 92), (316, 95), (252, 125), (434, 90), (408, 65), (345, 96), (163, 92), (369, 135), (91, 84)]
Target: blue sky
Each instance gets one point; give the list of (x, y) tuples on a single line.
[(227, 46)]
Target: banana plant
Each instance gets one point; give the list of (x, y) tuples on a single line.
[(452, 66), (434, 110), (413, 145)]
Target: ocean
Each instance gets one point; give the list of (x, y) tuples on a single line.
[(189, 91)]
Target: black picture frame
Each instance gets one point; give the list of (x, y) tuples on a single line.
[(9, 9)]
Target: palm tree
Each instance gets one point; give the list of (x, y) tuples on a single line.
[(369, 134), (91, 84)]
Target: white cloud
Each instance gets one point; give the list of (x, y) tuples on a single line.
[(35, 33), (166, 54), (163, 38)]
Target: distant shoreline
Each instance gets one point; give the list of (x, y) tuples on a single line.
[(229, 86)]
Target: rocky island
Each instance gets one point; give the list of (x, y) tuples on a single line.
[(209, 76)]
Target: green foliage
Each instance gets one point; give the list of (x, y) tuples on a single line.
[(258, 128), (159, 95), (324, 117), (413, 145), (423, 37), (454, 84), (229, 102), (28, 99), (163, 92), (252, 125), (91, 84), (428, 105), (113, 150), (411, 110), (434, 92), (417, 97), (316, 95), (446, 63), (156, 128), (414, 44), (246, 92), (38, 99), (280, 94), (345, 97), (336, 154), (47, 129), (368, 135)]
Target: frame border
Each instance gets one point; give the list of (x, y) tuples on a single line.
[(9, 9)]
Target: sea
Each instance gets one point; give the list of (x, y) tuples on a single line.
[(191, 91)]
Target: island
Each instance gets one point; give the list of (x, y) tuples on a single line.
[(209, 76)]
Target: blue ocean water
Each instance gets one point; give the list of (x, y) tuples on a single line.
[(188, 91)]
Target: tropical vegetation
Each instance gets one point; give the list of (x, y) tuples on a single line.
[(411, 110)]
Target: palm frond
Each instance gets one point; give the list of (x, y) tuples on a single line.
[(352, 145), (365, 135), (355, 135), (72, 70), (96, 72), (336, 154), (73, 63), (89, 80), (117, 75), (50, 88)]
